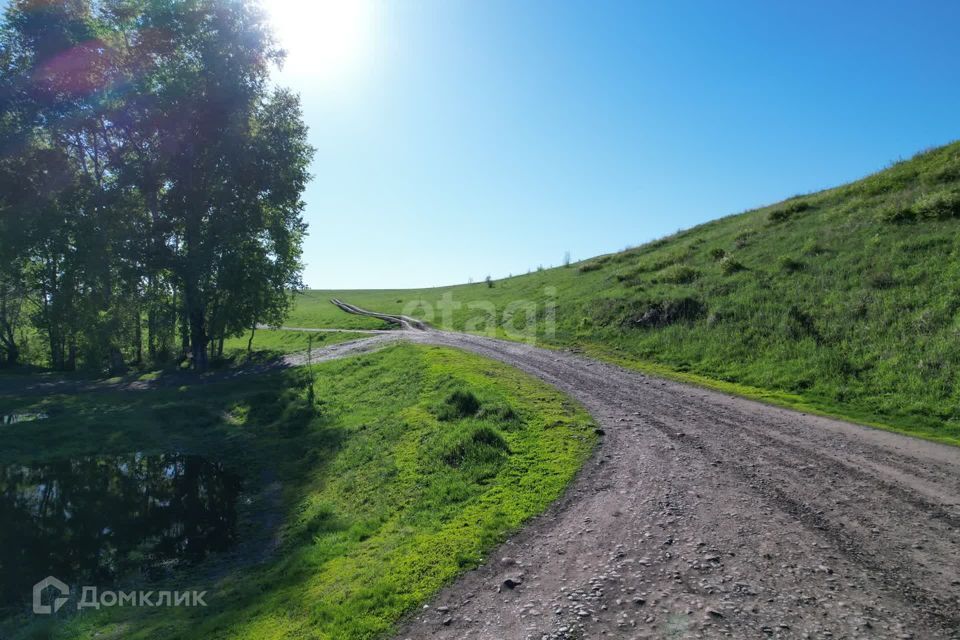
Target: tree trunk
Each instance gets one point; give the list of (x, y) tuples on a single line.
[(138, 336), (151, 320), (13, 354), (9, 342), (71, 364), (56, 349), (193, 304), (198, 327), (198, 340), (184, 334), (253, 330), (152, 334), (117, 366)]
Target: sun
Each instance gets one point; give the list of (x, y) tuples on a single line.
[(324, 39)]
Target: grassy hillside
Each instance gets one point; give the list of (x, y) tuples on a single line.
[(360, 499), (845, 301)]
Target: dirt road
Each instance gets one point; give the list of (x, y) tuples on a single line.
[(705, 515)]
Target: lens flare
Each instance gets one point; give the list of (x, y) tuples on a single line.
[(324, 39)]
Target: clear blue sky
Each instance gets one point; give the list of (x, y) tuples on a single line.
[(487, 137)]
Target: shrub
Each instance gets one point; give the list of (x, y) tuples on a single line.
[(679, 274), (730, 266), (633, 278), (939, 205), (950, 171), (787, 211), (743, 239), (667, 312), (717, 254), (897, 214), (587, 267)]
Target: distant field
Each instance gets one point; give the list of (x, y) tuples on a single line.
[(405, 469), (313, 309), (269, 343), (845, 301)]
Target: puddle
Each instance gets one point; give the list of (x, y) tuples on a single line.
[(16, 418), (102, 520)]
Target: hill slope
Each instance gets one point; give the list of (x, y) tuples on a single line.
[(845, 301)]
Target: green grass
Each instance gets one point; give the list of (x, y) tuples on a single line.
[(845, 302), (408, 466), (269, 343), (313, 309)]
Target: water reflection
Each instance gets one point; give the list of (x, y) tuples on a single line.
[(16, 418), (98, 520)]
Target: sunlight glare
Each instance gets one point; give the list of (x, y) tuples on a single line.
[(324, 39)]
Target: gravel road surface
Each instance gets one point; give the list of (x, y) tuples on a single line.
[(706, 515)]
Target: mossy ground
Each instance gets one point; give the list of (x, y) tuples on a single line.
[(391, 486)]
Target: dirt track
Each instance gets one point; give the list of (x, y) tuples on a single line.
[(705, 515)]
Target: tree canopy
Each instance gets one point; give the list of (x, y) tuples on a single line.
[(150, 180)]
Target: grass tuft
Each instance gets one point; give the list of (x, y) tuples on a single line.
[(459, 404)]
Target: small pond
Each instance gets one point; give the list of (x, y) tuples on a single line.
[(16, 418), (101, 520)]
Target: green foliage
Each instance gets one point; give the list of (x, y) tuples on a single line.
[(380, 503), (663, 313), (730, 265), (938, 205), (679, 274), (587, 267), (788, 211), (123, 225), (743, 238), (896, 213)]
